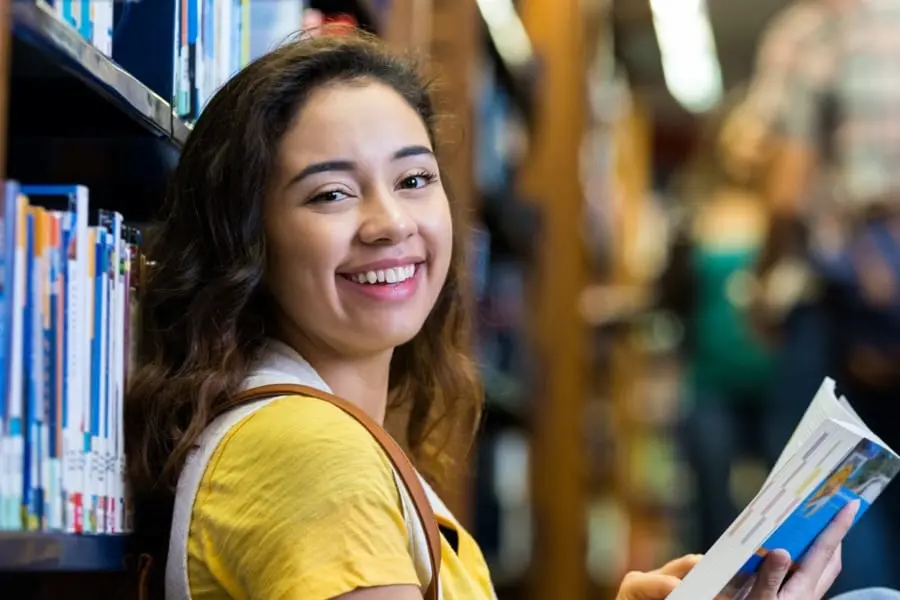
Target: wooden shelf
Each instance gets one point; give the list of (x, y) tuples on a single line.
[(61, 552), (50, 59)]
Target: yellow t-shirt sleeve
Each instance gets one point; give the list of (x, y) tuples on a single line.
[(298, 502)]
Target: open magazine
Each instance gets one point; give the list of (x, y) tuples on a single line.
[(831, 459)]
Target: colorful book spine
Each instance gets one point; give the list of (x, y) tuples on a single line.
[(67, 301), (54, 498), (7, 246), (15, 463)]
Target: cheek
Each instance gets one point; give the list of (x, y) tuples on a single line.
[(439, 232), (302, 256)]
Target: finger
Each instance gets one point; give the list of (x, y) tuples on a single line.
[(680, 566), (832, 570), (823, 549), (648, 586), (806, 579), (770, 576)]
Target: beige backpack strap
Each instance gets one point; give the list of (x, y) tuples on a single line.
[(394, 452)]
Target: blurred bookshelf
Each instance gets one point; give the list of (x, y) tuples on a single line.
[(635, 495)]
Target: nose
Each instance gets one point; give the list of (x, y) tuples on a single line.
[(385, 219)]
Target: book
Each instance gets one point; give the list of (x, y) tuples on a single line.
[(832, 459)]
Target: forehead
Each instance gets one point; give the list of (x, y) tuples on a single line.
[(359, 120)]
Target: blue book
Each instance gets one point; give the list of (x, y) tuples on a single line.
[(832, 459), (32, 501), (93, 443), (71, 204), (7, 250)]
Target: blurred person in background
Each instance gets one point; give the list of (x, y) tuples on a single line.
[(708, 283), (822, 118)]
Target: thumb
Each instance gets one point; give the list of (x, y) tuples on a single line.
[(647, 586)]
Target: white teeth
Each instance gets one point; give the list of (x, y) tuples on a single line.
[(392, 275)]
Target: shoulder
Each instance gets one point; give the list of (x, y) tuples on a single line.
[(310, 490), (298, 436)]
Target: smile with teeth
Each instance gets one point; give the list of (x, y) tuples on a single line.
[(382, 276)]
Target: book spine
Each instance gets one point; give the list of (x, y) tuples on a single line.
[(7, 246), (32, 348), (16, 440)]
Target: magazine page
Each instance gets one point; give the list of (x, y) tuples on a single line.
[(782, 513), (825, 405)]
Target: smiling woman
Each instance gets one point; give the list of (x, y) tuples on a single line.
[(308, 243), (307, 238)]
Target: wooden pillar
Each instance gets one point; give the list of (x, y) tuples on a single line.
[(552, 175), (629, 365), (408, 25), (454, 52)]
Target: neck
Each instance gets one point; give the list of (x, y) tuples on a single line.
[(360, 380)]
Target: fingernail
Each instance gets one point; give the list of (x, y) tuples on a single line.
[(784, 557)]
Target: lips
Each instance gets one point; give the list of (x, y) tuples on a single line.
[(390, 284)]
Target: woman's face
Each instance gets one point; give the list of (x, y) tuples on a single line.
[(358, 225)]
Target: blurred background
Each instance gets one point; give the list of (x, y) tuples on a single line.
[(670, 201)]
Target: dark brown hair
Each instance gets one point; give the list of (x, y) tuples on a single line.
[(203, 301)]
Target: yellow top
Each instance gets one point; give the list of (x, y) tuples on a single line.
[(299, 502)]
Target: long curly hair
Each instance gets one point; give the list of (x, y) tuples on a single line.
[(203, 302)]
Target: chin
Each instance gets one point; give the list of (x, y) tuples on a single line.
[(381, 337), (393, 339)]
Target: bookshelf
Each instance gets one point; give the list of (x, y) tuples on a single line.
[(32, 39), (113, 134), (50, 57), (39, 552)]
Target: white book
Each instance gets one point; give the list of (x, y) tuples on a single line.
[(831, 459)]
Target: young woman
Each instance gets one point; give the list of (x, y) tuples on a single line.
[(308, 238)]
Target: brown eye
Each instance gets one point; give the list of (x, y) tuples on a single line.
[(329, 196), (419, 180)]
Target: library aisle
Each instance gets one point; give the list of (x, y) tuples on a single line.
[(570, 484)]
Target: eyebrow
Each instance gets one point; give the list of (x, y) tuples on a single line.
[(347, 165)]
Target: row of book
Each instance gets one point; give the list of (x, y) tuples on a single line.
[(216, 38), (211, 40), (93, 19), (67, 281)]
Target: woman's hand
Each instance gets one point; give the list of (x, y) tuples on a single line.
[(818, 570), (658, 584), (811, 581)]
